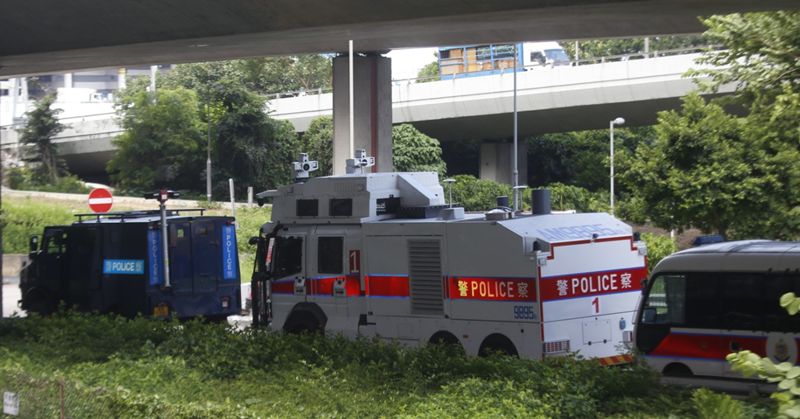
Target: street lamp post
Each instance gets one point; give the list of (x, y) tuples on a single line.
[(208, 162), (616, 121)]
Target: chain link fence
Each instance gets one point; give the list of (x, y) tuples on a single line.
[(41, 397)]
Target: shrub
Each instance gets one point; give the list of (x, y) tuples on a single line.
[(25, 219), (568, 197), (22, 178), (477, 194), (658, 247)]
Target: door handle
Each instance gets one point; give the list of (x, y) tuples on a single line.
[(734, 346)]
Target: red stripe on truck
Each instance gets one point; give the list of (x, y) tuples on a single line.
[(387, 286), (493, 289)]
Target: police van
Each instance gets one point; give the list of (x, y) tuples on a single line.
[(704, 303), (384, 255), (114, 263)]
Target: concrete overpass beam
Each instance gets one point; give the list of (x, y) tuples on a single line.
[(496, 162), (372, 109)]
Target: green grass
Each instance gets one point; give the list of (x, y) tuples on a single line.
[(113, 367)]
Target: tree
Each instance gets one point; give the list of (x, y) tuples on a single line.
[(318, 143), (163, 143), (416, 152), (699, 172), (580, 158), (258, 75), (759, 55), (430, 72), (42, 125), (252, 148)]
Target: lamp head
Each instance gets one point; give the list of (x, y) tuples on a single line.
[(618, 121)]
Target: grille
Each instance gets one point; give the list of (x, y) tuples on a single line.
[(425, 273)]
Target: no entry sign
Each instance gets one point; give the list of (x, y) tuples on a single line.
[(100, 200)]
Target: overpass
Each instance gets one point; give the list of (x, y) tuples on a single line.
[(39, 36), (550, 99)]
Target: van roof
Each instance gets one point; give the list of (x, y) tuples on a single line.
[(735, 256), (746, 246)]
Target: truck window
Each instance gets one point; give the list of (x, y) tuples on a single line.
[(741, 300), (329, 255), (288, 256), (55, 242)]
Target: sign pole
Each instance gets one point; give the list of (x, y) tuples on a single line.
[(162, 205)]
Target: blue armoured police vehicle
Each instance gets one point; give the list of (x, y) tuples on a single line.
[(115, 263)]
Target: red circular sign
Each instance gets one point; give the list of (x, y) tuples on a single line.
[(100, 200)]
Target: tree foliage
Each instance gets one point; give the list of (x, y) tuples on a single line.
[(258, 75), (581, 158), (625, 46), (163, 142), (416, 152), (719, 172), (250, 147), (318, 143), (699, 172), (428, 73), (42, 125)]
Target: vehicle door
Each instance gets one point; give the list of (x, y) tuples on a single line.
[(51, 259), (333, 273), (181, 269), (83, 268), (288, 271), (205, 261)]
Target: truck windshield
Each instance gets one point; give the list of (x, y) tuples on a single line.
[(556, 55)]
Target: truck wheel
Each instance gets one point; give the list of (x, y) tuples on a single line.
[(302, 322), (497, 343), (677, 369), (447, 339), (36, 302)]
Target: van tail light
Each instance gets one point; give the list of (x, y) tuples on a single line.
[(556, 347)]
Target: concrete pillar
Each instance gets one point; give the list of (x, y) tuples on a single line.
[(496, 161), (122, 74), (68, 81), (372, 109)]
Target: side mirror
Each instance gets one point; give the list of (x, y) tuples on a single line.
[(252, 241), (649, 315), (33, 244)]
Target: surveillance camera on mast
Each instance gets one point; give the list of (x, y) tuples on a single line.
[(303, 168), (360, 162)]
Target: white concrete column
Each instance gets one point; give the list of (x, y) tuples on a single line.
[(68, 81), (495, 162), (13, 96), (122, 74), (372, 109)]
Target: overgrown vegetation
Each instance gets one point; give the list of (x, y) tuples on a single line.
[(784, 374), (23, 219), (113, 367), (25, 179)]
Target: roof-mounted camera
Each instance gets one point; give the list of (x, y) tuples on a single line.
[(360, 162), (303, 168)]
